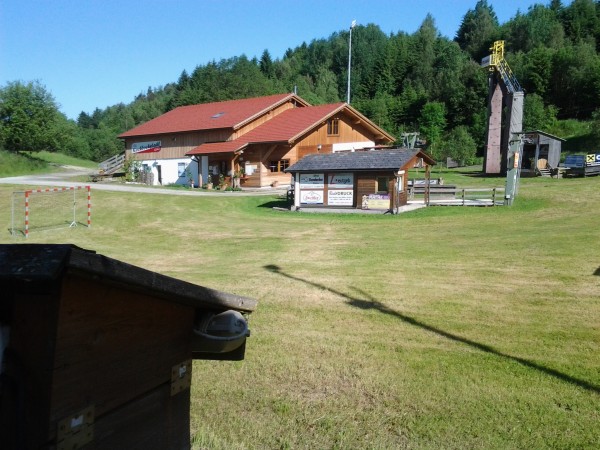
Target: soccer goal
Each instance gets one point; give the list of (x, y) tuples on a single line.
[(40, 209)]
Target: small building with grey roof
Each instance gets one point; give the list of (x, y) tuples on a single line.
[(373, 179)]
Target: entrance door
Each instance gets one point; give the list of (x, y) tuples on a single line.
[(159, 171)]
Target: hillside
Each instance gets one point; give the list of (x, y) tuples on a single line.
[(404, 82)]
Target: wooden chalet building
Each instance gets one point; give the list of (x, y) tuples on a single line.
[(254, 140), (372, 179)]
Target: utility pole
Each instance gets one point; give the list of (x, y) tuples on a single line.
[(352, 25)]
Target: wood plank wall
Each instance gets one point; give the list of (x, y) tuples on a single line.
[(175, 146)]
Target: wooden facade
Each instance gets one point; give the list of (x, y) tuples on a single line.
[(97, 353), (541, 153), (315, 141), (375, 179), (259, 148)]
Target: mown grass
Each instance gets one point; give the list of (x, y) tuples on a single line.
[(14, 164), (64, 160), (447, 327), (23, 163)]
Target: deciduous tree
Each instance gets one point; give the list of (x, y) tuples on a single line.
[(29, 118)]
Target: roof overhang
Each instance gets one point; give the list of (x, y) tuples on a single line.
[(361, 161), (217, 147), (379, 133), (543, 133)]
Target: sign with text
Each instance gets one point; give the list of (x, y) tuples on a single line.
[(340, 180), (146, 147), (311, 197), (592, 159), (340, 197), (376, 201), (312, 181)]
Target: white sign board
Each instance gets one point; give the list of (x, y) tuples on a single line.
[(340, 180), (340, 198), (312, 181), (311, 197), (145, 147), (376, 201)]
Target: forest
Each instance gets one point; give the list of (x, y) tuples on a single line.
[(420, 82)]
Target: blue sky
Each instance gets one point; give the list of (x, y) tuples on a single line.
[(92, 53)]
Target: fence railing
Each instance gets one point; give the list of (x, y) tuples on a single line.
[(113, 163), (454, 196)]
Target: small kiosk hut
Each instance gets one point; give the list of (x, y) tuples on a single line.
[(541, 153), (373, 179), (97, 353)]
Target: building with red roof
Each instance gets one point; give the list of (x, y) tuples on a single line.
[(251, 140)]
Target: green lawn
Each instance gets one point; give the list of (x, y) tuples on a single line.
[(15, 164), (446, 327)]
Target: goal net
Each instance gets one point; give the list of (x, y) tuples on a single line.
[(40, 209)]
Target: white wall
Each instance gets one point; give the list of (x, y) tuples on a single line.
[(351, 146), (169, 170)]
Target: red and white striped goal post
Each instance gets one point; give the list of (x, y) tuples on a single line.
[(28, 193)]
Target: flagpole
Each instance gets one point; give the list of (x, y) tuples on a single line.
[(350, 59)]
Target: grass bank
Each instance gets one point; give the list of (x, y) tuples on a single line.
[(446, 327), (15, 164)]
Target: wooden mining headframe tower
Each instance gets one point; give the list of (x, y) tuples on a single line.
[(505, 110)]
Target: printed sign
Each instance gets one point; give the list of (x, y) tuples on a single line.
[(146, 147), (311, 197), (340, 198), (340, 180), (376, 201), (592, 160), (312, 181)]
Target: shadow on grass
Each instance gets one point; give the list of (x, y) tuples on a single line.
[(597, 272), (371, 304), (481, 174), (283, 203)]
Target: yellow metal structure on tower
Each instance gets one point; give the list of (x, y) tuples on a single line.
[(496, 62), (505, 110)]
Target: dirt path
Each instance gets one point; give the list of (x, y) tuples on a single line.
[(64, 177)]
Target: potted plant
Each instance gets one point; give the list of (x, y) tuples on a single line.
[(190, 177), (237, 177)]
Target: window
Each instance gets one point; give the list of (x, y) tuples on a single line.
[(279, 166), (333, 127), (382, 184), (401, 183), (180, 169)]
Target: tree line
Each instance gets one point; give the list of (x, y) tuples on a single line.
[(421, 82)]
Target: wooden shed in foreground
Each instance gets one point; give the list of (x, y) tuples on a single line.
[(372, 179), (97, 353)]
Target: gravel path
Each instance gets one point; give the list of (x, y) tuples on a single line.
[(62, 179)]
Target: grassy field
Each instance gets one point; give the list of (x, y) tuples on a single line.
[(446, 327), (15, 164)]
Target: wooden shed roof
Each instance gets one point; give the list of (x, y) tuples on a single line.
[(543, 133), (209, 116), (370, 160), (47, 262)]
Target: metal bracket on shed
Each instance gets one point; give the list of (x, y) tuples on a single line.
[(181, 377), (76, 430)]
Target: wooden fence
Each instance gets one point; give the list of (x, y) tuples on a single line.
[(454, 196)]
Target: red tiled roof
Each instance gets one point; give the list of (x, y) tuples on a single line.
[(293, 123), (285, 127), (209, 116), (218, 147)]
